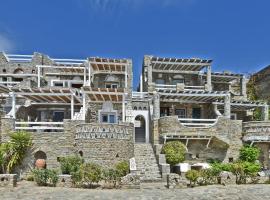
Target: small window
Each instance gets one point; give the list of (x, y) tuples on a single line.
[(181, 113), (230, 159), (114, 86), (160, 81), (4, 70), (233, 116), (108, 85), (58, 84), (33, 71), (108, 118)]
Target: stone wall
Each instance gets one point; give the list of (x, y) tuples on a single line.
[(225, 136), (105, 144)]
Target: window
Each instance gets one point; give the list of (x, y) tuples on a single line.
[(175, 81), (233, 116), (160, 81), (111, 85), (181, 113), (164, 111), (108, 118), (58, 84)]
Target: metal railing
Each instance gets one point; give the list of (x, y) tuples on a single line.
[(197, 123), (40, 126)]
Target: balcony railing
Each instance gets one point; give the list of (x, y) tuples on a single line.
[(40, 126), (140, 95), (173, 87), (197, 123)]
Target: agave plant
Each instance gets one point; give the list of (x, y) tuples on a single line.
[(13, 152)]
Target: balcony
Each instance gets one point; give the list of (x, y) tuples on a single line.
[(40, 126), (197, 123), (178, 87), (256, 131)]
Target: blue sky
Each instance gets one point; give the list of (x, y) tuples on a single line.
[(234, 33)]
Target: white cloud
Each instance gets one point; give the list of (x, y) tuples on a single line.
[(113, 5), (5, 43)]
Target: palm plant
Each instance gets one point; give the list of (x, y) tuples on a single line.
[(13, 152)]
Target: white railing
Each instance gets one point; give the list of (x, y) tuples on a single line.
[(40, 126), (165, 87), (140, 95), (9, 82), (69, 61), (19, 58), (197, 123), (173, 87)]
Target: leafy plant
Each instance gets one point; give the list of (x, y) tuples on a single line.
[(70, 164), (192, 176), (91, 173), (208, 176), (13, 152), (249, 154), (45, 177), (111, 176), (243, 169), (174, 152), (122, 168)]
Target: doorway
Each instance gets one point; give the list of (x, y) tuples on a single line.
[(196, 113), (140, 129)]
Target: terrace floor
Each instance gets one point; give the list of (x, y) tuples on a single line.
[(28, 190)]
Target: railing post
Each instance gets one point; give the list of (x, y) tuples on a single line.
[(72, 106)]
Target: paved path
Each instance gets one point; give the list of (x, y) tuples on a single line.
[(27, 190)]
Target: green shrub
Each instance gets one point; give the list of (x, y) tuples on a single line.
[(70, 164), (249, 154), (111, 176), (76, 178), (45, 177), (243, 170), (219, 167), (192, 176), (91, 173), (208, 176), (174, 152), (122, 168), (14, 151)]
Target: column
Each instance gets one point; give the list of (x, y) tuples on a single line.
[(84, 105), (13, 105), (89, 74), (208, 79), (38, 76), (141, 83), (84, 76), (72, 106), (123, 109), (265, 112), (227, 106), (156, 114), (243, 87)]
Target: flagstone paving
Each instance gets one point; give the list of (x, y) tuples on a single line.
[(27, 190)]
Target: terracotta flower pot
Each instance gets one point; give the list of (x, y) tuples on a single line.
[(40, 163)]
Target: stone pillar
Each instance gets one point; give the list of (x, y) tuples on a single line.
[(265, 112), (156, 105), (227, 106), (264, 157), (208, 79), (147, 64), (7, 126), (243, 87), (13, 105), (141, 83)]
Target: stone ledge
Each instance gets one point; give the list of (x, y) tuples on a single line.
[(8, 180)]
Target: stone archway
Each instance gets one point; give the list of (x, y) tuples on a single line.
[(140, 129)]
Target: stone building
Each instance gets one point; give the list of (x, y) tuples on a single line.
[(88, 107)]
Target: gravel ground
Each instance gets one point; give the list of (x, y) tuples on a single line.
[(28, 190)]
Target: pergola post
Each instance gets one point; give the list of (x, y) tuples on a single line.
[(84, 105), (141, 83), (84, 77), (38, 75), (89, 74), (156, 105), (227, 106), (123, 108), (243, 87), (72, 106), (208, 79), (265, 112), (13, 105)]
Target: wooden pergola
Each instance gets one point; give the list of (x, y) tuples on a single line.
[(46, 95)]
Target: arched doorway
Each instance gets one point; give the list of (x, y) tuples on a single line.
[(140, 135)]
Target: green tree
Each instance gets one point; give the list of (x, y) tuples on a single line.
[(70, 164), (249, 154), (174, 152)]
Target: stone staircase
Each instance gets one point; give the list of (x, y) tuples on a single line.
[(146, 163)]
